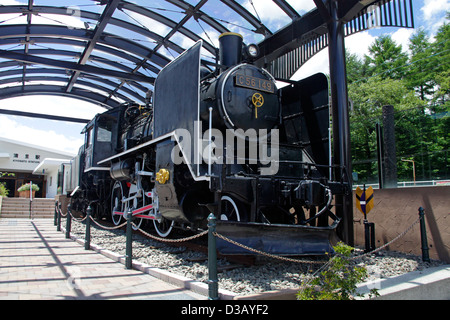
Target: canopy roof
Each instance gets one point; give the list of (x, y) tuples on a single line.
[(110, 52)]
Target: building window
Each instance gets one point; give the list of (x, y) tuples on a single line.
[(16, 155), (27, 156), (37, 157)]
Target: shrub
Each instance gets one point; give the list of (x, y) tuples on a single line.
[(338, 281), (26, 187), (3, 191)]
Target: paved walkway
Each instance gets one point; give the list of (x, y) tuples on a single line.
[(37, 262)]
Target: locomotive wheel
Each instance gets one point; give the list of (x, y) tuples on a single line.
[(163, 226), (116, 202), (231, 210)]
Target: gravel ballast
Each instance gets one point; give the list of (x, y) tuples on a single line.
[(266, 275)]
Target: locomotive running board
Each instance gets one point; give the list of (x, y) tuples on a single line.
[(277, 239)]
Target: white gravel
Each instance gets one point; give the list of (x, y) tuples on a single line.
[(266, 275)]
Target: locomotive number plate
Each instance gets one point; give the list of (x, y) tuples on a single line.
[(254, 83)]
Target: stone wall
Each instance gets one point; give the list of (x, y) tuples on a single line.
[(396, 209)]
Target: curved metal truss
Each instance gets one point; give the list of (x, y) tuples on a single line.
[(110, 52)]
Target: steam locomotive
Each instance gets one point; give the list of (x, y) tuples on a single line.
[(227, 140)]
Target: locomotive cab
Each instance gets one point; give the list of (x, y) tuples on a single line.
[(100, 139)]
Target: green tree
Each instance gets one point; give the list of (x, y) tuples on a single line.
[(386, 58), (420, 76), (368, 99)]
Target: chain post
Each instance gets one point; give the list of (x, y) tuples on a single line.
[(68, 222), (423, 236), (129, 241), (213, 282), (55, 216), (87, 240), (58, 220)]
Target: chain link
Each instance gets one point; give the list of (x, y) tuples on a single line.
[(313, 261), (390, 242), (105, 227), (244, 246), (265, 253), (172, 240)]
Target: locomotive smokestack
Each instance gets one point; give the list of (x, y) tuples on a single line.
[(230, 48)]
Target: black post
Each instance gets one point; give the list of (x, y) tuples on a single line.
[(372, 236), (341, 125), (369, 235), (55, 217), (129, 241), (68, 223), (423, 236), (213, 282), (58, 221), (380, 153), (87, 240), (390, 156)]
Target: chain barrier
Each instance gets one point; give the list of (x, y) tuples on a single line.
[(60, 211), (314, 261), (171, 240), (273, 256), (390, 242), (105, 227), (76, 219), (265, 253)]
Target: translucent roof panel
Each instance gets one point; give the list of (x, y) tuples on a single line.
[(131, 41)]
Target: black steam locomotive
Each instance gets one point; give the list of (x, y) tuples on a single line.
[(226, 141)]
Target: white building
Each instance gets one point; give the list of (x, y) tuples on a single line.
[(29, 162)]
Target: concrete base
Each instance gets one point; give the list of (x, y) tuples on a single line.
[(428, 284)]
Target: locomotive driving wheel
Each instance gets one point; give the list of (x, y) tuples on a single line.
[(232, 210), (163, 226), (116, 203)]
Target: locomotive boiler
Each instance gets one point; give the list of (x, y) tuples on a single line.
[(227, 140)]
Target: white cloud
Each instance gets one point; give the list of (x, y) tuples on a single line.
[(359, 43), (434, 14), (401, 36), (267, 10), (57, 135), (431, 8), (12, 129)]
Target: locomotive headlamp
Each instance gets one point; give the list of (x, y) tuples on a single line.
[(253, 51), (162, 176)]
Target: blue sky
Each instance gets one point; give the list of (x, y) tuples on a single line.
[(429, 14)]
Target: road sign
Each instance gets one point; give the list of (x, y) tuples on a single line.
[(364, 200)]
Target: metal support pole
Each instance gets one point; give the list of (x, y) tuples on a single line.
[(68, 223), (129, 241), (213, 282), (423, 236), (341, 123), (369, 234), (87, 240)]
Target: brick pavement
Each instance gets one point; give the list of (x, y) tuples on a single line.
[(37, 262)]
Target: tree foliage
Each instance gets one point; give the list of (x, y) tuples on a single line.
[(417, 84)]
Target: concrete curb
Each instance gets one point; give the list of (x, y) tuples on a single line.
[(428, 284)]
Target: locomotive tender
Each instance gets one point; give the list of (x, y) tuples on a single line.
[(226, 141)]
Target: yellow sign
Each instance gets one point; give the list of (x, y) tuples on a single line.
[(364, 199), (162, 176), (258, 101)]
